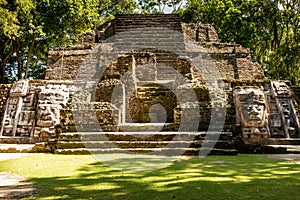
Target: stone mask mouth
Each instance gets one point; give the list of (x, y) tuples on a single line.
[(255, 117)]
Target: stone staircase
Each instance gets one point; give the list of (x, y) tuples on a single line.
[(289, 149), (25, 145), (160, 143), (132, 32), (124, 21), (291, 145)]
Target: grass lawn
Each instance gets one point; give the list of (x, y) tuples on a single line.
[(214, 177)]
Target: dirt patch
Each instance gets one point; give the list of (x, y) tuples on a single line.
[(8, 156), (14, 186)]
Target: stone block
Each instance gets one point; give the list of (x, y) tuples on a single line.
[(19, 88)]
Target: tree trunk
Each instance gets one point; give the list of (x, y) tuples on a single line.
[(19, 58), (276, 40), (19, 65), (29, 57), (2, 80), (3, 65)]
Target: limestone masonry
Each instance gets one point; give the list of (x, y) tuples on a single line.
[(150, 73)]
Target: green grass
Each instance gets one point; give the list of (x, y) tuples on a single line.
[(214, 177)]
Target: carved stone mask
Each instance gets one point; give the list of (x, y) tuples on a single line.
[(251, 103)]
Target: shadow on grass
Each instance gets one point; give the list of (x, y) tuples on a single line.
[(214, 177)]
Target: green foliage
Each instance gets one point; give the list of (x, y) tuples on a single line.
[(159, 6), (30, 27), (63, 21), (108, 8), (231, 19), (269, 28)]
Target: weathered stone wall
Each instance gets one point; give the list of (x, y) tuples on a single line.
[(105, 113), (234, 62), (64, 63), (106, 30), (152, 103), (201, 32), (33, 108), (104, 90), (216, 101), (148, 64)]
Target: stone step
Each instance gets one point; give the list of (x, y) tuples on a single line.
[(123, 25), (154, 151), (167, 46), (26, 148), (143, 144), (150, 22), (291, 149), (284, 141), (21, 140), (132, 36), (16, 148), (142, 127), (159, 40), (166, 143), (144, 42), (122, 32), (151, 32), (142, 136)]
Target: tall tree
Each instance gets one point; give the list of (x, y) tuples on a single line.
[(270, 28), (28, 24), (108, 8), (28, 28), (13, 14)]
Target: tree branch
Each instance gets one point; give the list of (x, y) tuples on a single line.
[(29, 56), (3, 64)]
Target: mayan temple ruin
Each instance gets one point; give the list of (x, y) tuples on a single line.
[(150, 84)]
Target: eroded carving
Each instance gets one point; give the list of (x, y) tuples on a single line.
[(32, 108), (52, 98), (251, 114), (19, 88), (281, 93), (48, 115), (281, 89)]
